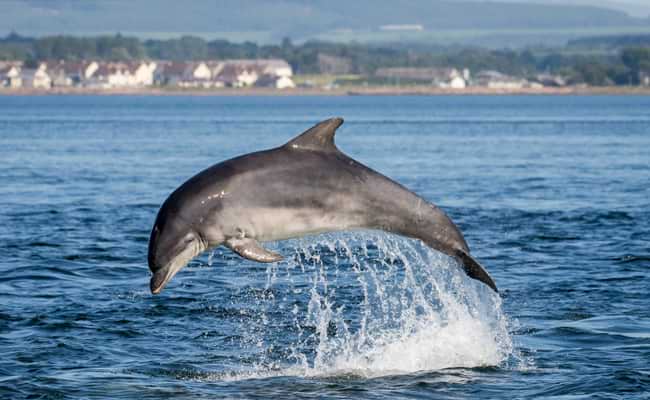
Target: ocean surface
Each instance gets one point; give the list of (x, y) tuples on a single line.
[(552, 194)]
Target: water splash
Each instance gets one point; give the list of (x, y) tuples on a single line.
[(371, 304)]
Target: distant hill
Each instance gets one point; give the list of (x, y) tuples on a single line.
[(635, 8), (265, 21)]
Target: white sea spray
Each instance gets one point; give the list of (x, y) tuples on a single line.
[(372, 304)]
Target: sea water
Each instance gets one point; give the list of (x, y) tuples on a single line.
[(552, 194)]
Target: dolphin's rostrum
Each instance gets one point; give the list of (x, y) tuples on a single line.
[(305, 187)]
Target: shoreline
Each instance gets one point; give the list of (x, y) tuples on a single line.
[(343, 91)]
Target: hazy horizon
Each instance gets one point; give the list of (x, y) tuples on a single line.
[(492, 23)]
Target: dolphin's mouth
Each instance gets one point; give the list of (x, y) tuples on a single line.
[(160, 279), (162, 276)]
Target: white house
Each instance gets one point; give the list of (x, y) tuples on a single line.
[(247, 77), (111, 75), (60, 78), (184, 74), (275, 66), (497, 80), (120, 74), (284, 82), (441, 77), (59, 74), (237, 74), (199, 70), (277, 82), (220, 73), (271, 66), (36, 78), (454, 83), (241, 73), (142, 72), (10, 75), (550, 80), (451, 78), (215, 67), (68, 73)]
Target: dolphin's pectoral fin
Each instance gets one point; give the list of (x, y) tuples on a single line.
[(474, 270), (252, 250)]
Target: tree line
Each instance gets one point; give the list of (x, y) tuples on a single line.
[(624, 66)]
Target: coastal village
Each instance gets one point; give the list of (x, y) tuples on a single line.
[(242, 73), (138, 74)]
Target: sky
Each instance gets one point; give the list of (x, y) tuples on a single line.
[(266, 21)]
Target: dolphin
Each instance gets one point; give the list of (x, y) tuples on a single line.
[(306, 186)]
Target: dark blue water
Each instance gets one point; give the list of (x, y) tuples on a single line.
[(552, 193)]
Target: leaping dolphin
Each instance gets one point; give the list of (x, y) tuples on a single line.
[(306, 186)]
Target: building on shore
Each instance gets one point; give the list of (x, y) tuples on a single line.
[(186, 74), (10, 74), (222, 73), (35, 78), (271, 66), (113, 74), (110, 75), (70, 73), (237, 75), (447, 78), (497, 80), (550, 80), (142, 72), (242, 73), (276, 82)]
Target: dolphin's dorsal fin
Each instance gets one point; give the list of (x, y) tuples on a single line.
[(319, 137)]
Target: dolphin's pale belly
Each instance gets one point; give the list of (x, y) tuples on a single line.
[(269, 224)]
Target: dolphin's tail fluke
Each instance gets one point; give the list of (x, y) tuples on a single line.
[(474, 270)]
